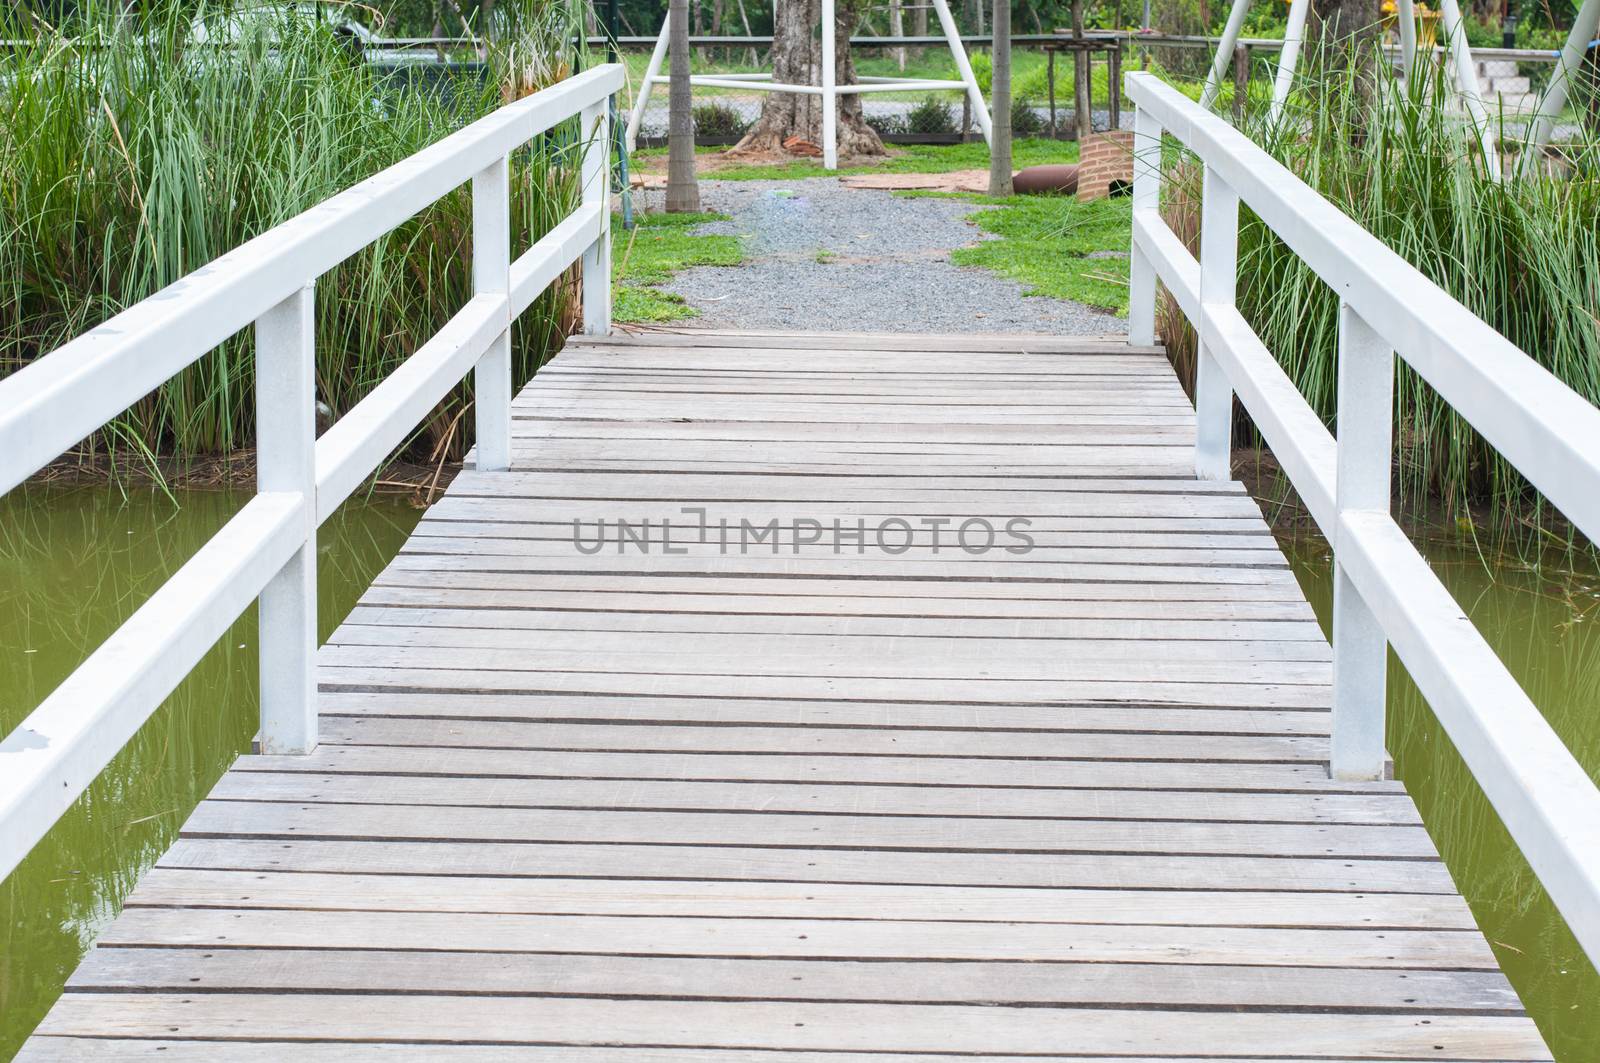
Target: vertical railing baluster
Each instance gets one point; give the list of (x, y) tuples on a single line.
[(286, 436), (1366, 454), (830, 95), (596, 176), (1213, 394), (491, 274), (1146, 201)]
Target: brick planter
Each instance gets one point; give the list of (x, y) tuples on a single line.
[(1105, 161)]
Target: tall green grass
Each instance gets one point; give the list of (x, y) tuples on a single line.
[(1523, 254), (131, 154)]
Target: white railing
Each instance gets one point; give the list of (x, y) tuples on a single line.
[(268, 550), (1384, 592)]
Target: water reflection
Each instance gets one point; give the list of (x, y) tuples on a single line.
[(1543, 619), (73, 565)]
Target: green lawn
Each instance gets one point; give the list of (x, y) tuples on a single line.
[(1029, 79), (906, 158), (659, 246), (1045, 243)]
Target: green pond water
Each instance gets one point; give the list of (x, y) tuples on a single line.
[(74, 564)]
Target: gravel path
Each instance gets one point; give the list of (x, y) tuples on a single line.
[(885, 267)]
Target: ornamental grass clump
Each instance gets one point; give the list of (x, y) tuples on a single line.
[(1523, 253), (136, 147)]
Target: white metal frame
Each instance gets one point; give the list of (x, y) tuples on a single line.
[(1460, 55), (827, 89), (269, 548), (1385, 593), (1585, 28)]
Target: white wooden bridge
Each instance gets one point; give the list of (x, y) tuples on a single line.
[(956, 704)]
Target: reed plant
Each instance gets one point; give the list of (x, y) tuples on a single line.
[(133, 150), (1523, 253)]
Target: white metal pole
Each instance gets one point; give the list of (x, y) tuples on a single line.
[(1230, 37), (958, 51), (1146, 200), (1455, 35), (491, 274), (596, 125), (1584, 29), (830, 96), (1406, 16), (641, 98), (1365, 454), (1213, 394), (286, 438), (1293, 34)]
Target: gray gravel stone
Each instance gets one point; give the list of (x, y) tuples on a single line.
[(829, 258)]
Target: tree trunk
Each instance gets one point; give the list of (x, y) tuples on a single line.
[(1346, 39), (1000, 99), (897, 28), (919, 24), (744, 19), (683, 191), (1082, 104), (797, 60)]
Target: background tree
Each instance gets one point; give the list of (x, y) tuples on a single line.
[(1000, 101), (1345, 36), (683, 191), (797, 60)]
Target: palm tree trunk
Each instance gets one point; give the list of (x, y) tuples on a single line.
[(683, 192), (1000, 101)]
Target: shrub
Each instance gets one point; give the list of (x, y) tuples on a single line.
[(887, 125), (931, 116), (718, 120), (1025, 120)]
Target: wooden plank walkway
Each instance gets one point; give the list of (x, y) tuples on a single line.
[(813, 806)]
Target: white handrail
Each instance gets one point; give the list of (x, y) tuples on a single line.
[(269, 548), (1384, 592)]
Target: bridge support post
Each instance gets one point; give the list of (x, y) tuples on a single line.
[(1146, 199), (1365, 456), (491, 274), (286, 437), (596, 176), (1213, 394)]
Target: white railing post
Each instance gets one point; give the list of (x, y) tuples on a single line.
[(1365, 447), (596, 176), (1213, 394), (286, 438), (491, 274), (830, 97), (1146, 199)]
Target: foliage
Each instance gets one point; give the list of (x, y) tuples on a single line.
[(718, 120), (659, 246), (1522, 254), (932, 116), (912, 158), (1025, 118), (886, 125), (1046, 242), (130, 155)]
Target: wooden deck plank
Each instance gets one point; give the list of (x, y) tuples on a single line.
[(167, 887), (804, 806), (791, 1026), (703, 978)]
